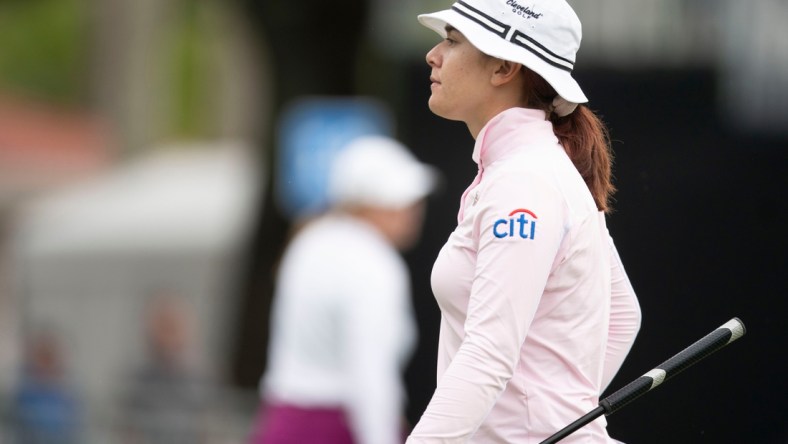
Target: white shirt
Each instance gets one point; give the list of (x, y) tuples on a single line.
[(342, 326), (537, 314)]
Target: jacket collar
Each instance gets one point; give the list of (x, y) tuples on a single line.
[(512, 130)]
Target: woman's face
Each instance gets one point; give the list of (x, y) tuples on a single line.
[(460, 78)]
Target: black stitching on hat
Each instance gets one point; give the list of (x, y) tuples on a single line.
[(514, 40), (504, 30), (502, 33), (520, 34)]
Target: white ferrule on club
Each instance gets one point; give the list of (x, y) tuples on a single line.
[(657, 376), (736, 327)]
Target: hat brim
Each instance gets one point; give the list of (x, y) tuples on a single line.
[(493, 45)]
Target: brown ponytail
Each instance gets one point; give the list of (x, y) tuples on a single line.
[(583, 135), (585, 139)]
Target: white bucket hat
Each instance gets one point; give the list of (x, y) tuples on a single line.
[(543, 35), (378, 171)]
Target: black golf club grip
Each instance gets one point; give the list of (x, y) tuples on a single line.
[(727, 333)]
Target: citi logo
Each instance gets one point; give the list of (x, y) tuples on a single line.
[(521, 222)]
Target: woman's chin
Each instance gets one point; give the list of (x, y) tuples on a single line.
[(436, 108)]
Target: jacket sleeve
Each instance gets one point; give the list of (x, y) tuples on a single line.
[(625, 318), (510, 277)]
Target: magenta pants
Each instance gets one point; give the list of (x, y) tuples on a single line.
[(288, 424)]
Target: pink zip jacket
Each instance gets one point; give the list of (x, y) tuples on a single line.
[(537, 313)]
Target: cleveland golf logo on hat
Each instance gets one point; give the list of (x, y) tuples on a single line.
[(543, 35), (518, 37), (523, 10), (522, 226)]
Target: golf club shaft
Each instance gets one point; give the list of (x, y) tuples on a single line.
[(727, 333)]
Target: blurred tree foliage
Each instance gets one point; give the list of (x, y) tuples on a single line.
[(190, 58), (49, 52), (185, 71), (43, 50)]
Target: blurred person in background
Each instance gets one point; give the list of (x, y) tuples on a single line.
[(46, 408), (342, 327), (537, 311), (166, 398)]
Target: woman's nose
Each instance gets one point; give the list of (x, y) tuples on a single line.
[(432, 56)]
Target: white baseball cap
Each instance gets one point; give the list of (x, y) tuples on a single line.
[(378, 171), (543, 35)]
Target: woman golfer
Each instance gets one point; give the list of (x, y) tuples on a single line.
[(537, 312)]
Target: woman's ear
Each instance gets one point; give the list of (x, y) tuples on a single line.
[(504, 72)]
